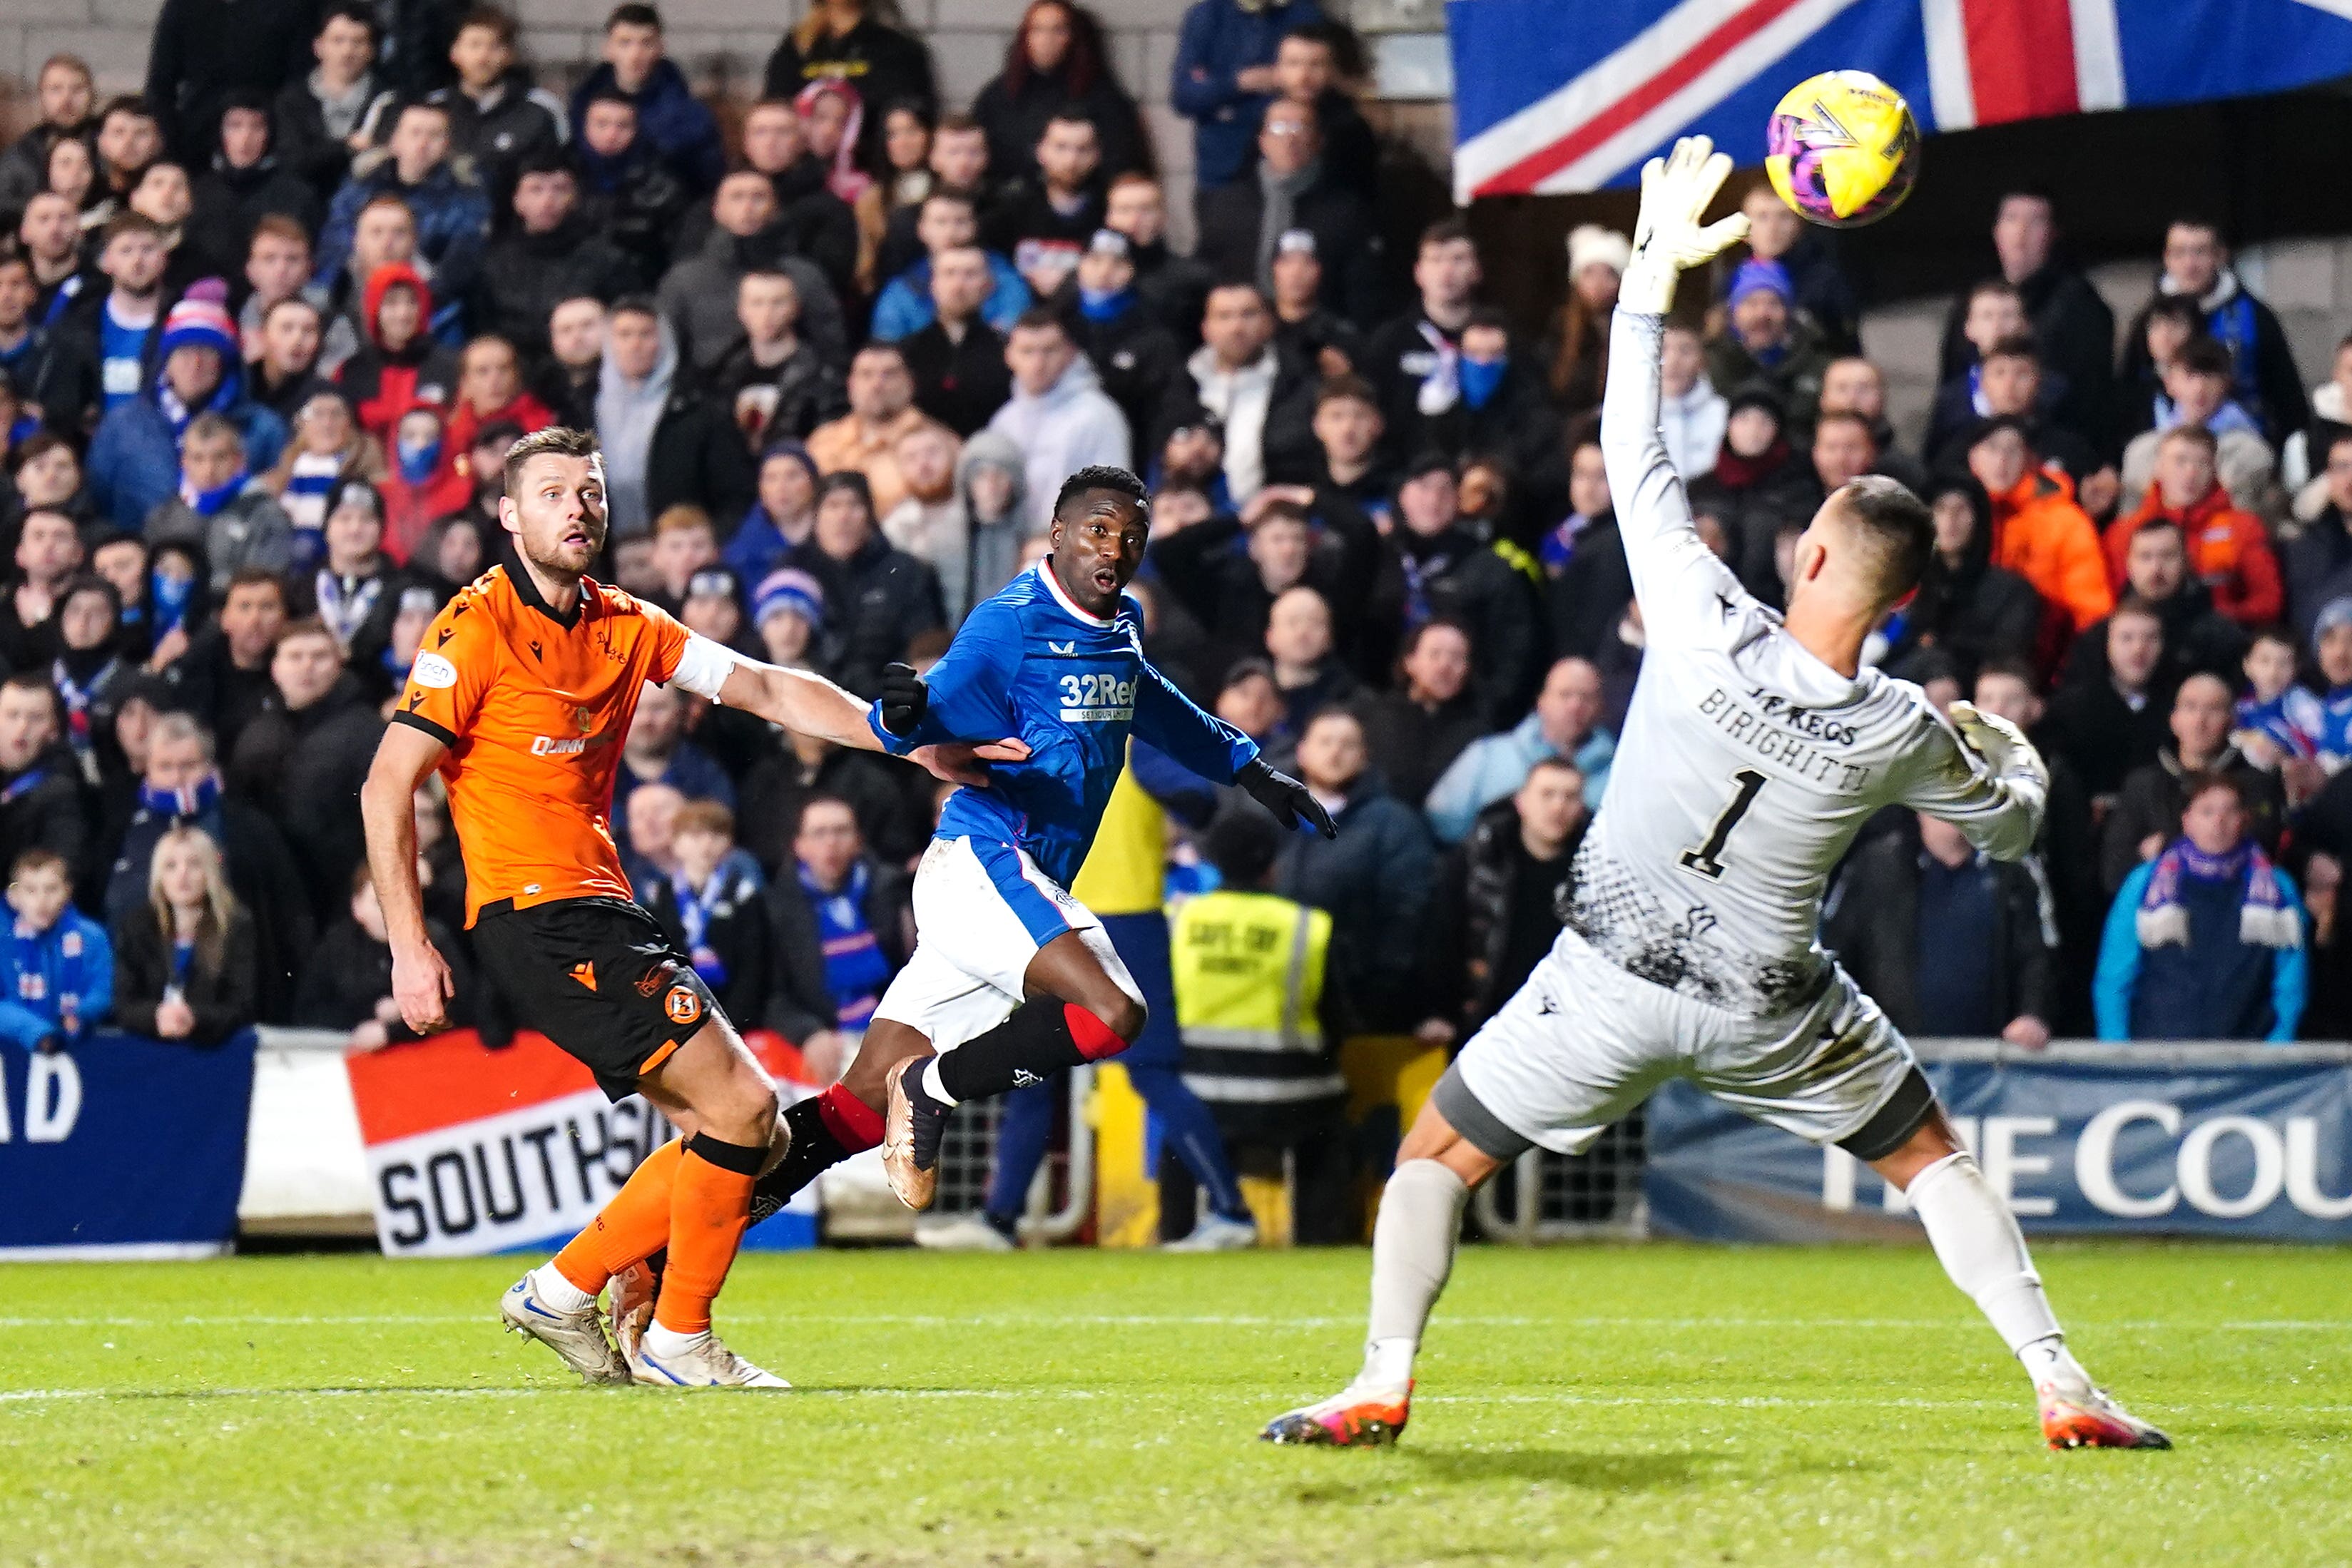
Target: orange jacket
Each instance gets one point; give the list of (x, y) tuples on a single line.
[(2229, 549), (2041, 535)]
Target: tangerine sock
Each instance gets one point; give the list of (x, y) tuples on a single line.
[(631, 1227), (710, 1205)]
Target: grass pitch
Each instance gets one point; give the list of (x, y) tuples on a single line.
[(1627, 1405)]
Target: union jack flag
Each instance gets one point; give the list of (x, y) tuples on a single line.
[(1575, 95)]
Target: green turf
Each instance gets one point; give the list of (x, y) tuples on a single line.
[(1637, 1404)]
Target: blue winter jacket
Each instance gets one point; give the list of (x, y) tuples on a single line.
[(670, 117), (1495, 765), (134, 459), (905, 307), (35, 979), (2215, 988), (1219, 41), (453, 224)]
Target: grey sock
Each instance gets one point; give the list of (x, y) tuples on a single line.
[(1413, 1246)]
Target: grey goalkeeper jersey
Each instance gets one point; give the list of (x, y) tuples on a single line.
[(1747, 766)]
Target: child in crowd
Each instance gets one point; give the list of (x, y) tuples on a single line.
[(2331, 644), (2278, 720), (60, 967)]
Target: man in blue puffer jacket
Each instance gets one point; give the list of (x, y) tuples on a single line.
[(1224, 75), (668, 114)]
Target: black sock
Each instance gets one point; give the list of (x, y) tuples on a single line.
[(1030, 1047), (813, 1149)]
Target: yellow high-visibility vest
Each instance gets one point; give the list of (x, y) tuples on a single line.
[(1248, 970)]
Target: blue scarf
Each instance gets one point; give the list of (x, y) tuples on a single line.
[(694, 911), (183, 965), (24, 784), (172, 596), (205, 502), (2264, 919), (855, 968), (418, 463), (345, 611), (1481, 379), (2232, 323), (194, 799), (33, 980), (78, 696), (1108, 307)]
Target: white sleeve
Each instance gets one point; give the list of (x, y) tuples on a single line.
[(1687, 594), (2000, 814), (704, 665)]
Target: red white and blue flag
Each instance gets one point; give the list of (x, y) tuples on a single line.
[(1574, 95)]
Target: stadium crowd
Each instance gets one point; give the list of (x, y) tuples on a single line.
[(267, 329)]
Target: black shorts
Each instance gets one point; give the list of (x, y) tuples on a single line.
[(598, 977)]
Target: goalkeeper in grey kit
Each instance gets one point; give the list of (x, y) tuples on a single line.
[(1755, 748)]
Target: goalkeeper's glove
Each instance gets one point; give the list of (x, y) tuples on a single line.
[(1667, 235), (2001, 744), (1285, 798), (905, 699)]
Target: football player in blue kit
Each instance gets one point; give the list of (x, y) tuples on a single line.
[(1012, 978)]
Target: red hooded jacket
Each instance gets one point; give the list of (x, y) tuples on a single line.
[(384, 383), (2229, 551)]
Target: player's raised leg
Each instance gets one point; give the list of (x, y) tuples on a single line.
[(1978, 1241), (1413, 1238)]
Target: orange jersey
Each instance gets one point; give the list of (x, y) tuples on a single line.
[(534, 710)]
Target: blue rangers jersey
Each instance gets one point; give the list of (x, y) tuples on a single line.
[(1031, 663)]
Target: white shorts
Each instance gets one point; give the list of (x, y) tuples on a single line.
[(982, 912), (1583, 1043)]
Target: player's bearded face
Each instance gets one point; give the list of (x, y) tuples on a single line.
[(559, 516)]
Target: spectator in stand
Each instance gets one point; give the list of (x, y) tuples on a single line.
[(451, 210), (182, 791), (1232, 593), (1447, 573), (347, 985), (1347, 428), (1760, 486), (2303, 456), (1224, 75), (67, 97), (864, 440), (1499, 893), (1173, 288), (643, 831), (221, 507), (1316, 64), (1243, 221), (843, 40), (48, 552), (112, 329), (628, 191), (2331, 644), (663, 444), (1589, 581), (224, 677), (685, 543), (354, 585), (844, 924), (1299, 645), (958, 362), (1853, 384), (72, 174), (303, 758), (814, 224), (1375, 879), (58, 981), (490, 391), (2037, 531), (775, 790), (2107, 727), (781, 518), (2318, 557), (990, 479), (2205, 942), (1565, 723), (1414, 360), (2011, 379), (41, 803), (1820, 293), (203, 52), (2197, 387), (957, 161), (698, 294), (1058, 415), (1134, 354), (1951, 943), (2147, 816), (2263, 380), (947, 222), (2277, 721), (1304, 327), (1420, 724), (164, 194), (245, 182), (385, 236), (774, 382), (931, 524), (35, 378), (286, 374), (668, 115), (1764, 339), (878, 599), (1993, 313), (1968, 610), (129, 137), (49, 236), (2156, 572), (2230, 550), (2071, 324), (550, 253), (656, 752), (710, 906), (1058, 64), (189, 964), (320, 114), (421, 483), (402, 363), (1577, 348), (1691, 413), (1043, 220), (499, 117), (90, 670), (1262, 404), (572, 373)]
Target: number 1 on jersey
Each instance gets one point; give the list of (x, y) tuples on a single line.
[(1706, 859)]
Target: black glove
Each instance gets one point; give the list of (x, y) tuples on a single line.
[(1285, 798), (905, 699)]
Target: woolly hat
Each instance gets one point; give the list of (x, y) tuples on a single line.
[(1755, 275), (199, 322), (1589, 243), (788, 589)]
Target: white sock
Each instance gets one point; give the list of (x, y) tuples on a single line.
[(557, 1292), (1413, 1253), (2049, 1361), (933, 1087), (1977, 1240), (663, 1342)]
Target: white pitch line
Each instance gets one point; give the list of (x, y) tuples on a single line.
[(1142, 1320)]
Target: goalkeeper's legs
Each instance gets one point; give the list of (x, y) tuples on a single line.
[(1977, 1239)]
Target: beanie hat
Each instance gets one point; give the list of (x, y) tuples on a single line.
[(1589, 243), (200, 323), (1755, 275), (788, 589)]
